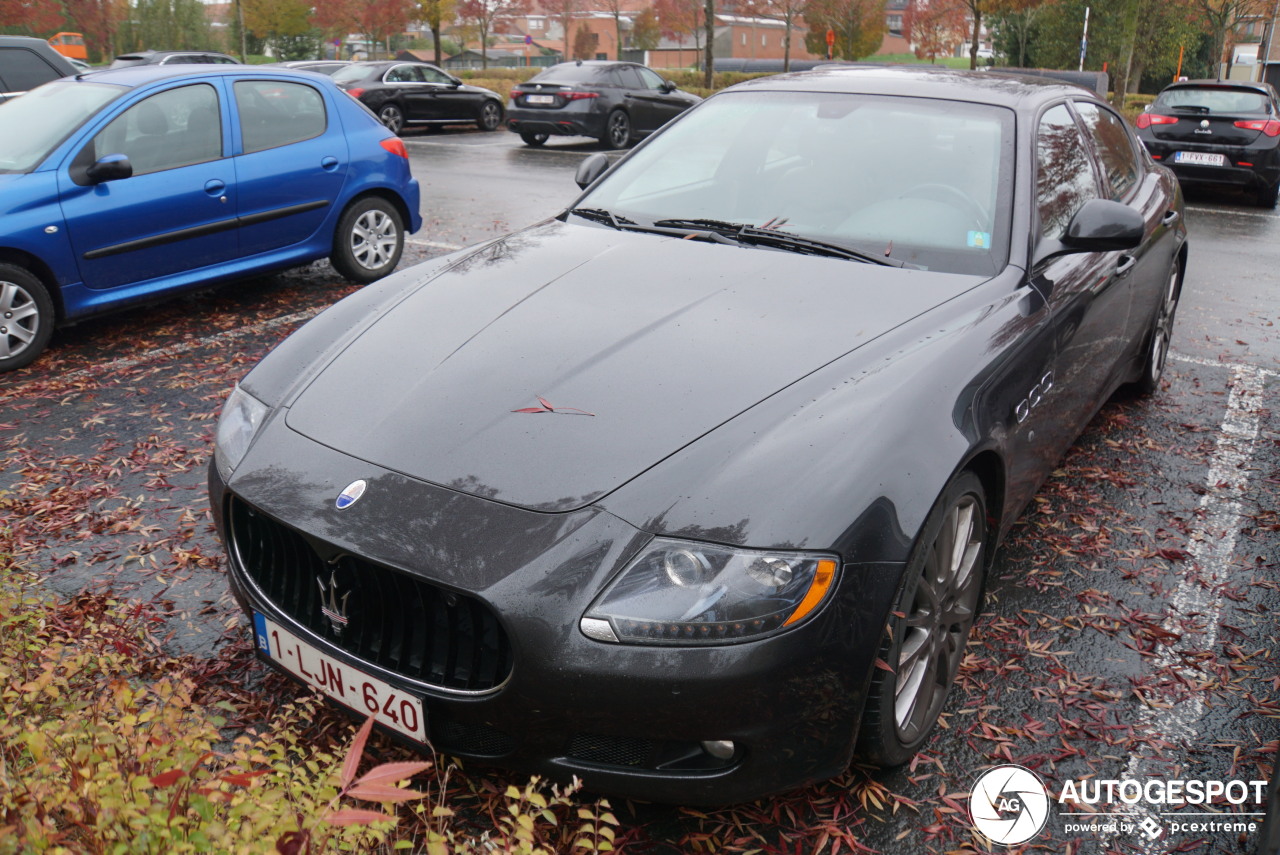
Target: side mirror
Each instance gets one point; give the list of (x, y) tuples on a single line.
[(668, 87), (113, 167), (1100, 225), (591, 169)]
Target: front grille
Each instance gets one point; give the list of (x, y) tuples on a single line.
[(611, 750), (394, 620), (471, 738)]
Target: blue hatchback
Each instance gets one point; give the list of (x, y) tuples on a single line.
[(118, 187)]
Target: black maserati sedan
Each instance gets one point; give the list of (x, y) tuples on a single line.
[(1223, 134), (418, 93), (692, 490), (615, 102)]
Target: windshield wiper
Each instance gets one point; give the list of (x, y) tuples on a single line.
[(777, 239), (600, 215)]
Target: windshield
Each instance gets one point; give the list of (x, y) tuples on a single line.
[(47, 115), (924, 182), (1212, 99), (352, 73)]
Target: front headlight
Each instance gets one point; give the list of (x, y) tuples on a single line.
[(241, 417), (681, 592)]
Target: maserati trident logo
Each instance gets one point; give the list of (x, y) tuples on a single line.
[(547, 408), (351, 494), (335, 611)]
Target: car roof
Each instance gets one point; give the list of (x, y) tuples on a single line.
[(1009, 90), (134, 76)]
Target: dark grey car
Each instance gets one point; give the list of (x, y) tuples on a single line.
[(618, 103), (26, 63)]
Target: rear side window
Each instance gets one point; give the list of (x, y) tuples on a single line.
[(1115, 148), (22, 69), (1212, 99), (1064, 177), (178, 127), (275, 113)]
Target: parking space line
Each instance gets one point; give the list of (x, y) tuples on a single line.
[(433, 244), (1211, 545), (1234, 366), (1234, 211)]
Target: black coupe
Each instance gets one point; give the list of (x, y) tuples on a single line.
[(646, 492)]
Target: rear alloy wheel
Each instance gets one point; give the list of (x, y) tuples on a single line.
[(617, 130), (26, 317), (393, 117), (369, 240), (535, 140), (1159, 335), (929, 628), (490, 116)]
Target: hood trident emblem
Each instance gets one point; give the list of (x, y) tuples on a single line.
[(334, 611)]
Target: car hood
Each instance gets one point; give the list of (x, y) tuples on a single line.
[(549, 368)]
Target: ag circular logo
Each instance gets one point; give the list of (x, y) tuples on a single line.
[(1009, 804)]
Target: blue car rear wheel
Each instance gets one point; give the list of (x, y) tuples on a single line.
[(369, 240)]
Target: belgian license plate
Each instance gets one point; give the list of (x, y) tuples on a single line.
[(348, 686), (539, 99), (1200, 158)]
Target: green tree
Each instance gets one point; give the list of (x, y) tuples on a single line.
[(167, 25), (436, 14), (645, 32), (859, 26), (285, 26)]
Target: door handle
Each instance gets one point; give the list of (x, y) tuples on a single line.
[(329, 164), (1125, 265), (214, 187), (1170, 218)]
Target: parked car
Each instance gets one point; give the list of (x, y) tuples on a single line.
[(319, 66), (692, 490), (172, 57), (79, 65), (418, 93), (132, 184), (1217, 133), (26, 63), (615, 102)]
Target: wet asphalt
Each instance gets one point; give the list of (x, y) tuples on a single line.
[(1132, 617)]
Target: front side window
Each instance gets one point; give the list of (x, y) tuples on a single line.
[(431, 75), (1114, 145), (650, 78), (274, 113), (925, 182), (1064, 176), (179, 127)]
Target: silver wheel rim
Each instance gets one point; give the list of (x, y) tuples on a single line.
[(618, 130), (373, 239), (937, 622), (19, 319), (1161, 334), (489, 116), (391, 118)]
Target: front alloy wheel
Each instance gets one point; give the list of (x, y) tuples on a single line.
[(1160, 334), (927, 633), (26, 317), (490, 116)]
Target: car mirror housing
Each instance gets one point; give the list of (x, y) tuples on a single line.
[(113, 167), (668, 86), (1100, 225), (591, 169)]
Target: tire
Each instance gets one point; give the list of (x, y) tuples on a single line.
[(929, 626), (617, 130), (368, 241), (26, 317), (1161, 331), (490, 116), (393, 117), (535, 140), (1267, 195)]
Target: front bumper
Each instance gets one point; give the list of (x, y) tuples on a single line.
[(626, 719)]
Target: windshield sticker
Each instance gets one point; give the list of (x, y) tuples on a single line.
[(980, 240)]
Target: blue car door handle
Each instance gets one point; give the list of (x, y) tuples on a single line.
[(329, 164), (214, 187)]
